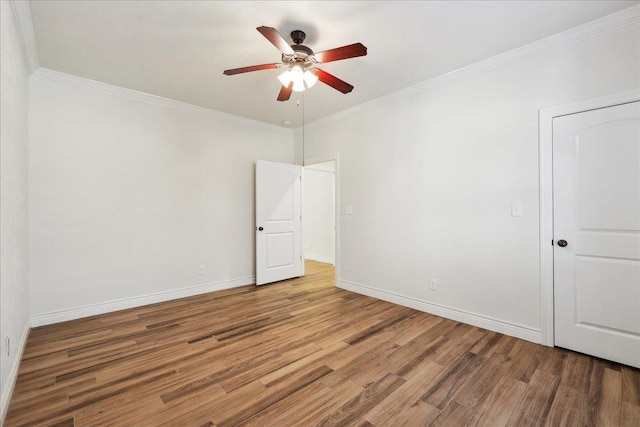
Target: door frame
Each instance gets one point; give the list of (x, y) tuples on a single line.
[(336, 207), (545, 134)]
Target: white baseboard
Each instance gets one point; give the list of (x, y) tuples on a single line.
[(507, 328), (7, 388), (122, 304), (320, 258)]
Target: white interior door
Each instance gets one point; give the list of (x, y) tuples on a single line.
[(596, 186), (278, 222)]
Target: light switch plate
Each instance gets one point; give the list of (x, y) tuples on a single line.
[(349, 210)]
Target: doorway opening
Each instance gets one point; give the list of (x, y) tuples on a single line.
[(319, 209)]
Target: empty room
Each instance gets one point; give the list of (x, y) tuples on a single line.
[(331, 213)]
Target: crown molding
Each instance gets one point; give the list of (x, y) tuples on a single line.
[(22, 16), (82, 83), (571, 36)]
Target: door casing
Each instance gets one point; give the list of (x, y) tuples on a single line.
[(545, 128)]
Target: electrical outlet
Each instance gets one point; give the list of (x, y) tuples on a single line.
[(7, 344), (201, 270), (433, 285)]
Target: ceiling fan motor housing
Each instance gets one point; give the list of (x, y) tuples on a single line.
[(302, 52), (298, 36)]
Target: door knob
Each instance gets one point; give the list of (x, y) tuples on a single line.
[(260, 228), (562, 243)]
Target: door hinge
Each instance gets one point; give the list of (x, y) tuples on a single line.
[(551, 242)]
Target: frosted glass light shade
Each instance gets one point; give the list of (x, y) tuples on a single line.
[(301, 79), (297, 77), (310, 78), (285, 78), (298, 86)]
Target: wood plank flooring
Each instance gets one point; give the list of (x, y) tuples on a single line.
[(302, 352)]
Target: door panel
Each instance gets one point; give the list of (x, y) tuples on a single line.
[(278, 210), (596, 178), (608, 150), (619, 307), (280, 249), (279, 198)]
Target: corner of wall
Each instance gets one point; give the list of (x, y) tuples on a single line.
[(19, 60)]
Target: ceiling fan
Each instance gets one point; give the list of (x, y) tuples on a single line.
[(300, 63)]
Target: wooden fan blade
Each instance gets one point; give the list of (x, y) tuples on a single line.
[(333, 81), (251, 68), (344, 52), (285, 92), (276, 39)]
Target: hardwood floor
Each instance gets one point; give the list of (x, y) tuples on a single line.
[(302, 352)]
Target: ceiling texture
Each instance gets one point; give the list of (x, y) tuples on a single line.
[(179, 49)]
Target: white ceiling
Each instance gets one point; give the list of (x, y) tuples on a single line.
[(178, 49)]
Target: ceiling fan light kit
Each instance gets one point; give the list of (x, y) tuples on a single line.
[(301, 79), (301, 63)]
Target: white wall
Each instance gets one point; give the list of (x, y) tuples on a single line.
[(128, 199), (431, 179), (14, 286), (318, 212)]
